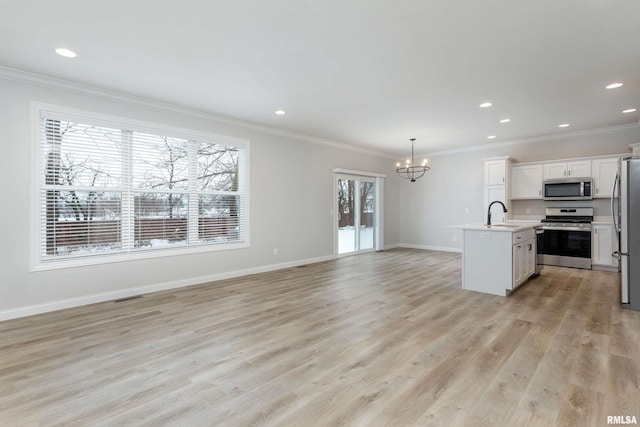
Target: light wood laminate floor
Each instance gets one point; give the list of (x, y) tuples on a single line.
[(378, 339)]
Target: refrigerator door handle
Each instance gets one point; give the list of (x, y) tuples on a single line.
[(614, 215)]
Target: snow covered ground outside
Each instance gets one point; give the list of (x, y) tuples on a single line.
[(347, 238)]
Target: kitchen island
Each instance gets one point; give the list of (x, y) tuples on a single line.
[(497, 259)]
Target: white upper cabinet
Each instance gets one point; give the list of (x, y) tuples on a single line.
[(495, 172), (526, 181), (573, 169), (579, 169), (555, 170), (603, 174)]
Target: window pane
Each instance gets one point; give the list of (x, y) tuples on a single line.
[(79, 223), (160, 162), (218, 219), (160, 220), (217, 167), (81, 155), (367, 204), (346, 216), (105, 187)]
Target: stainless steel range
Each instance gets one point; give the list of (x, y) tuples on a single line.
[(567, 237)]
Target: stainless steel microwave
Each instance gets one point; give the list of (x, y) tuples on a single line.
[(568, 189)]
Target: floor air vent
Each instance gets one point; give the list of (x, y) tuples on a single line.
[(127, 298)]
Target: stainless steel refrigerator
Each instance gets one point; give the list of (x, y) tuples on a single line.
[(625, 209)]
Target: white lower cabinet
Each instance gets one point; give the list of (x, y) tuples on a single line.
[(603, 243), (524, 261), (518, 270), (496, 262)]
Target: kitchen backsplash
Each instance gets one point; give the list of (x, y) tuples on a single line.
[(534, 209)]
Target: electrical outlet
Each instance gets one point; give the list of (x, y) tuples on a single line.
[(275, 251), (466, 210), (454, 238)]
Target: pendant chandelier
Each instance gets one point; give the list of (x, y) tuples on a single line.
[(410, 170)]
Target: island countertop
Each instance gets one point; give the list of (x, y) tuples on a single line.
[(509, 226)]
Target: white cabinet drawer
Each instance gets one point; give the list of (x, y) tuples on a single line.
[(523, 236)]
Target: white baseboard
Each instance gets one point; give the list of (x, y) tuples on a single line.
[(394, 246), (129, 292)]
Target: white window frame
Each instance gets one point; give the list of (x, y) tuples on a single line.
[(38, 264)]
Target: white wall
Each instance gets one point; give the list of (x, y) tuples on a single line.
[(291, 195), (454, 183)]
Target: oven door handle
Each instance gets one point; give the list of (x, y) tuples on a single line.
[(586, 230)]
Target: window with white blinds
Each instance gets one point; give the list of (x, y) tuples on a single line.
[(108, 188)]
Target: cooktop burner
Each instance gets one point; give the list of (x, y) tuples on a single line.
[(572, 220), (568, 215)]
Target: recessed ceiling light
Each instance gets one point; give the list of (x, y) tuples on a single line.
[(630, 110), (505, 120), (564, 125), (614, 85), (486, 104), (280, 112), (66, 53), (491, 137)]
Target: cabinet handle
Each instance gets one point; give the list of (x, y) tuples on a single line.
[(539, 192), (530, 246), (597, 190), (503, 179), (565, 173)]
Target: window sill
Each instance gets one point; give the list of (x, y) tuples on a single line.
[(132, 256)]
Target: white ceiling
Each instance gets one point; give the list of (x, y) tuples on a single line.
[(370, 73)]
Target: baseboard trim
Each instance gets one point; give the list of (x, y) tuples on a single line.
[(394, 246), (32, 310), (605, 268)]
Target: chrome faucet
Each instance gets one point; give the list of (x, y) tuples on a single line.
[(504, 208)]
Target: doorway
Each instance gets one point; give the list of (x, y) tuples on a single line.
[(356, 214)]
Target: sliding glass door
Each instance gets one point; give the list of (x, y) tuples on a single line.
[(356, 206)]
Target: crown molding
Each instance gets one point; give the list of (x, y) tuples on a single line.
[(564, 135), (54, 83)]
